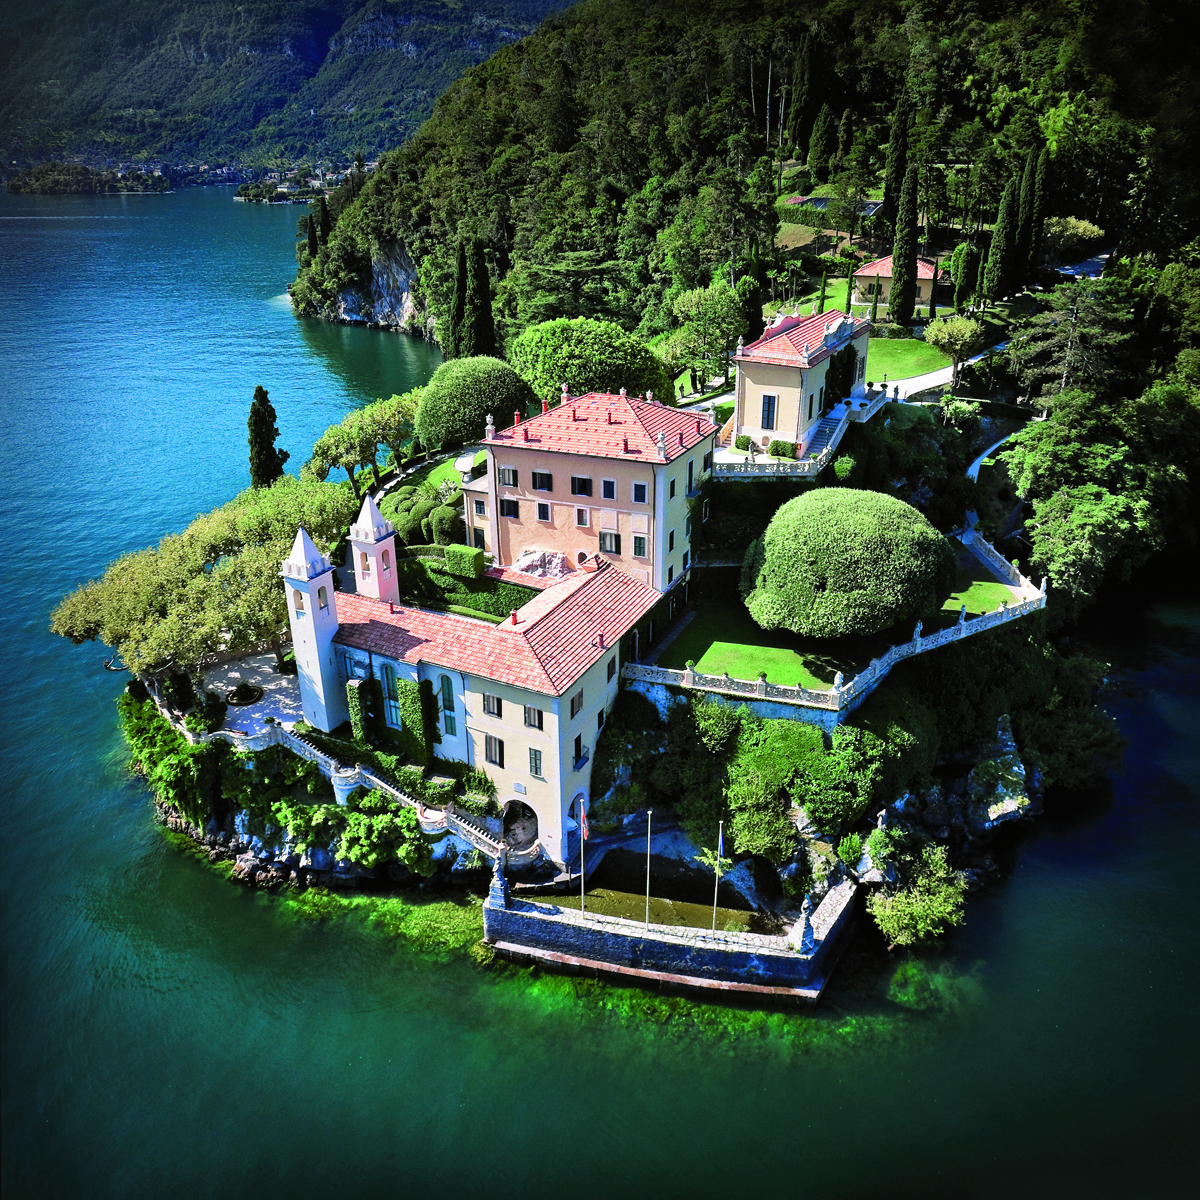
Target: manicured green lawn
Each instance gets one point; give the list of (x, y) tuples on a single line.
[(977, 588), (901, 358)]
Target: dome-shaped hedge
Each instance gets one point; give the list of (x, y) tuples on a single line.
[(838, 560), (455, 403)]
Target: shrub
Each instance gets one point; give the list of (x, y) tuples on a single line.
[(843, 468), (932, 902), (588, 356), (446, 525), (178, 692), (850, 849), (881, 845), (742, 441), (457, 400), (782, 449), (758, 822), (839, 561), (464, 561)]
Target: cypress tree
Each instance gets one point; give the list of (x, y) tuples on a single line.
[(822, 144), (875, 302), (451, 342), (897, 159), (478, 331), (998, 275), (965, 274), (821, 301), (845, 138), (1041, 200), (325, 221), (1025, 222), (311, 231), (800, 125), (903, 295), (266, 462), (933, 291)]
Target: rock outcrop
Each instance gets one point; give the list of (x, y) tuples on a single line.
[(390, 301)]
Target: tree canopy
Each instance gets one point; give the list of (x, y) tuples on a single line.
[(266, 462), (588, 356), (838, 561), (456, 402)]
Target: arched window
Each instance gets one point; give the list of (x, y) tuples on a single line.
[(387, 562), (298, 601), (364, 564), (322, 599), (446, 688)]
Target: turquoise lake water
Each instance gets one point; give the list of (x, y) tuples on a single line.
[(165, 1029)]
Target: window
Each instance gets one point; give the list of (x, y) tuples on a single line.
[(639, 493), (322, 599), (608, 489), (581, 517), (543, 481), (364, 564), (610, 543), (811, 401), (821, 397), (493, 750), (446, 692), (612, 667), (480, 508), (510, 508), (600, 719), (577, 704), (578, 749), (687, 558), (543, 511), (391, 697), (671, 491), (298, 601), (704, 511), (671, 540), (533, 717), (508, 476), (477, 538), (687, 527), (691, 473), (862, 368), (493, 705), (707, 461), (768, 412), (581, 485), (670, 574), (535, 763), (639, 546), (386, 561)]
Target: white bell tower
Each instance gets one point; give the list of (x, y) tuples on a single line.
[(373, 545), (312, 611)]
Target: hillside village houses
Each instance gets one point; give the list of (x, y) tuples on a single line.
[(524, 700), (798, 371), (876, 276)]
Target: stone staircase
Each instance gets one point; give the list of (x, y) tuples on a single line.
[(826, 430)]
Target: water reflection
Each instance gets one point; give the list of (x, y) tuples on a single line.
[(369, 362)]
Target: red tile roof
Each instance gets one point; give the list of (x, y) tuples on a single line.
[(511, 575), (883, 266), (607, 426), (785, 342), (556, 638)]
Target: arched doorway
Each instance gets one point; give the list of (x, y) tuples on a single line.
[(520, 825)]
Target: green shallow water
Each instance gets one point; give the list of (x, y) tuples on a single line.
[(165, 1029)]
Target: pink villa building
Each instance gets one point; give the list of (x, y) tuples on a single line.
[(877, 277)]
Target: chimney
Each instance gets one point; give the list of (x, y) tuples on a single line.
[(624, 445), (697, 426), (681, 438), (601, 641), (608, 416), (525, 432), (514, 616), (516, 419), (545, 405), (650, 397), (662, 444)]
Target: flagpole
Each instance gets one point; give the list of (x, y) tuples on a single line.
[(720, 850), (649, 818), (582, 839)]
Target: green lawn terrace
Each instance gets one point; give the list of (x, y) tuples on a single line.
[(720, 637)]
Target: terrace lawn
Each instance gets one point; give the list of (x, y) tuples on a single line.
[(901, 358), (976, 587)]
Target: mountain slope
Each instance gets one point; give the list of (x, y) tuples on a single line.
[(259, 80)]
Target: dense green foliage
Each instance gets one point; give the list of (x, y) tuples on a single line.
[(998, 275), (931, 901), (63, 179), (263, 80), (840, 561), (956, 337), (430, 582), (903, 293), (456, 402), (470, 329), (588, 356), (214, 586), (266, 462)]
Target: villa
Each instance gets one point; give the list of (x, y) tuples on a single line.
[(876, 277), (524, 700)]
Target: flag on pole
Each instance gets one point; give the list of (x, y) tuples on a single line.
[(583, 820)]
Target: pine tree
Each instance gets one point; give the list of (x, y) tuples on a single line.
[(998, 276), (896, 167), (1025, 222), (452, 338), (800, 125), (822, 144), (1041, 201), (266, 462), (325, 221), (477, 335), (845, 138), (903, 295)]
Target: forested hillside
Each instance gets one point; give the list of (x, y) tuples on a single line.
[(629, 151), (264, 80)]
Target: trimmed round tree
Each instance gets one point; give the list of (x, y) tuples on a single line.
[(456, 401), (841, 561), (588, 356)]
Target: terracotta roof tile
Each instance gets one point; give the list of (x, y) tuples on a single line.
[(883, 266), (607, 426), (785, 343), (556, 638)]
